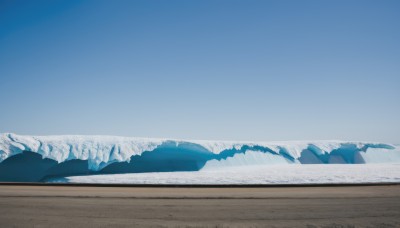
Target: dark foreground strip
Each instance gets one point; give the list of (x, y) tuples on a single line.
[(197, 185), (189, 197)]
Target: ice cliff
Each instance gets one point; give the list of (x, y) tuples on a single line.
[(66, 155)]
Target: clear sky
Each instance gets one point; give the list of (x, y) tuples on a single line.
[(230, 70)]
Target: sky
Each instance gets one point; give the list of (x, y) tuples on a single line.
[(220, 70)]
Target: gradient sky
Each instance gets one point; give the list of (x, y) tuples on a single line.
[(230, 70)]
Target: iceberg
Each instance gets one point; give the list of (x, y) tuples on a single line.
[(39, 158)]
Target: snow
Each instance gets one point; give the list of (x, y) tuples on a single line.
[(248, 158), (374, 155), (100, 151), (256, 174)]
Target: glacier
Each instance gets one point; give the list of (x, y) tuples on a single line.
[(41, 158)]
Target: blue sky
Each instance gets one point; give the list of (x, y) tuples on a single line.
[(230, 70)]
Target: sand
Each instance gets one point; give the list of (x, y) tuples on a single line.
[(72, 206)]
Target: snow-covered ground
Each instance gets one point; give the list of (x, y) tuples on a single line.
[(256, 174)]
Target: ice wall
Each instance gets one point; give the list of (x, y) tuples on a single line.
[(36, 158)]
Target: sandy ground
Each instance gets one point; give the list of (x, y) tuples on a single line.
[(67, 206)]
